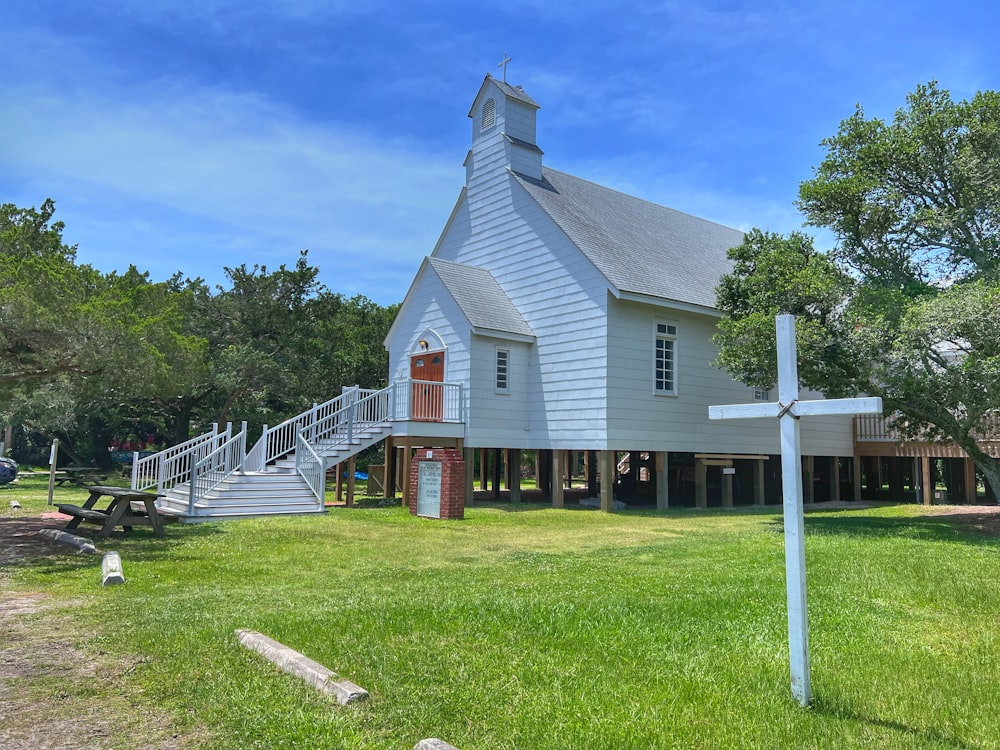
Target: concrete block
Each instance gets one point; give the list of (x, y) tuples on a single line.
[(111, 569), (433, 744), (301, 666), (61, 537)]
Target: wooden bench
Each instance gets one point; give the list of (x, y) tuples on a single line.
[(87, 514)]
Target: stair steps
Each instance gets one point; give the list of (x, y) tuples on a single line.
[(278, 490)]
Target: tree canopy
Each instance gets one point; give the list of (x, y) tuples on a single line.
[(907, 305), (85, 354)]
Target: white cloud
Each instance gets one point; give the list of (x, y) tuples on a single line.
[(232, 173)]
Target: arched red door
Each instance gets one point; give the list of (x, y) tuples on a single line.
[(428, 399)]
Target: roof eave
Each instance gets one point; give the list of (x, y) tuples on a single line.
[(506, 335), (670, 304)]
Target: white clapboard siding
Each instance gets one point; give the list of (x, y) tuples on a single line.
[(562, 298), (640, 418), (430, 306)]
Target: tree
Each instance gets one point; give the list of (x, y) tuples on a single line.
[(907, 306), (84, 353)]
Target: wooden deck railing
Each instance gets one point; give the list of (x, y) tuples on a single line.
[(875, 428)]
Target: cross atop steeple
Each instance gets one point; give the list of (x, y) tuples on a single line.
[(503, 65)]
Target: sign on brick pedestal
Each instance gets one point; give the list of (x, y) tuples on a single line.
[(437, 483)]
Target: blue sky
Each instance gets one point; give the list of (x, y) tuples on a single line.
[(191, 136)]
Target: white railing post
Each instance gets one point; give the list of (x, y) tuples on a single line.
[(263, 453), (243, 450), (350, 418), (135, 471), (191, 488)]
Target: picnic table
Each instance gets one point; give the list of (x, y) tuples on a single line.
[(119, 512), (80, 475)]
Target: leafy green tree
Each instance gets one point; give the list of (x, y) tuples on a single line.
[(85, 355), (907, 306)]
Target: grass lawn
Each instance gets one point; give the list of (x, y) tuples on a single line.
[(527, 627)]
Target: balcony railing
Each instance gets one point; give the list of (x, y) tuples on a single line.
[(875, 428)]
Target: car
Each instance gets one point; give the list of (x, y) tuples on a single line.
[(8, 470)]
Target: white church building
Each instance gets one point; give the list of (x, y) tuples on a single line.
[(571, 320), (562, 325)]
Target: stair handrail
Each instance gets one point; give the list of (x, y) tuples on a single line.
[(280, 440), (212, 469), (172, 466), (311, 468), (371, 407)]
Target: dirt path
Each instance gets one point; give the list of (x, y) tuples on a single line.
[(55, 693)]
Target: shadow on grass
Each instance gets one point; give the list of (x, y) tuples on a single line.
[(521, 507), (926, 737), (950, 528), (140, 544)]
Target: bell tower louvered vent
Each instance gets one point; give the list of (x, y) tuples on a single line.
[(489, 114)]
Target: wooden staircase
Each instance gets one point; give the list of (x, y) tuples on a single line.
[(270, 479)]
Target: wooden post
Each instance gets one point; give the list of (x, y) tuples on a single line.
[(606, 460), (389, 471), (856, 472), (727, 487), (591, 463), (484, 459), (350, 481), (758, 482), (496, 473), (340, 481), (808, 486), (53, 461), (926, 481), (835, 479), (469, 454), (558, 457), (407, 455), (895, 480), (543, 471), (700, 483), (515, 475), (970, 481), (662, 481)]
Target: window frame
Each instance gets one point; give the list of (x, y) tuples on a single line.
[(503, 351), (668, 334)]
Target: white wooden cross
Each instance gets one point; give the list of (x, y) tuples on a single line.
[(788, 410), (503, 64)]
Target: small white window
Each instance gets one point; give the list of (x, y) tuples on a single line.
[(665, 369), (489, 114), (503, 371), (761, 394)]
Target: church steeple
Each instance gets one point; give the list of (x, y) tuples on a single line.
[(503, 117)]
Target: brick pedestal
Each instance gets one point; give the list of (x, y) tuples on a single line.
[(452, 480)]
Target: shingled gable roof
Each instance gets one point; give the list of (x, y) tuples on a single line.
[(640, 247), (514, 92), (481, 300)]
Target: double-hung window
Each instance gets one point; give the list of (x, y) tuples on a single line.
[(665, 370)]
